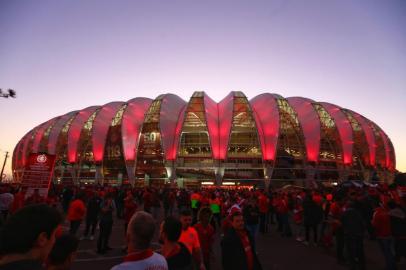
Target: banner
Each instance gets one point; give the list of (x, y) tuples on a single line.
[(38, 174)]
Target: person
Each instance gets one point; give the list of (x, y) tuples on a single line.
[(335, 215), (215, 206), (168, 202), (205, 231), (251, 217), (27, 249), (63, 252), (298, 219), (326, 237), (155, 204), (398, 228), (285, 205), (67, 195), (183, 200), (382, 228), (354, 229), (1, 222), (19, 200), (6, 201), (140, 256), (92, 214), (105, 224), (76, 213), (34, 198), (263, 205), (147, 199), (52, 199), (190, 238), (119, 202), (237, 247), (129, 209), (176, 253), (312, 216), (195, 203)]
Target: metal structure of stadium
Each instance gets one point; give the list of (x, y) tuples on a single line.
[(268, 138)]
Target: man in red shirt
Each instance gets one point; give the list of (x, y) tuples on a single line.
[(76, 213), (206, 234), (237, 249)]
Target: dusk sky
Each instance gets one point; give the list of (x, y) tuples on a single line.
[(62, 56)]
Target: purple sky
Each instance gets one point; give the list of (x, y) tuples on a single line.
[(66, 55)]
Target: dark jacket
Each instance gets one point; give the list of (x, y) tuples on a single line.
[(353, 223), (398, 222), (180, 261), (233, 254), (106, 211), (312, 212), (93, 208), (251, 215)]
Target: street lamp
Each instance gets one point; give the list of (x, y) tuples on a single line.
[(10, 93)]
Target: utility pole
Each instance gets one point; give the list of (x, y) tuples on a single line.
[(2, 169)]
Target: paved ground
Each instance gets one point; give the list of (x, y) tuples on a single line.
[(275, 253)]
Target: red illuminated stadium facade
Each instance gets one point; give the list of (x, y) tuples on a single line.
[(235, 140)]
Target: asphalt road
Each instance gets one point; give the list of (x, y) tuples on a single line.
[(275, 253)]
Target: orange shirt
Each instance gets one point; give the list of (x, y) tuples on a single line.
[(190, 239)]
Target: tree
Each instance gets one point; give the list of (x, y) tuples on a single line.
[(10, 93)]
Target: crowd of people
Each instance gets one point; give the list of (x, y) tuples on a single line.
[(188, 222)]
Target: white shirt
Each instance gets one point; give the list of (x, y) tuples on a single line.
[(155, 262)]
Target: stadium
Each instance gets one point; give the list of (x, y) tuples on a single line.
[(268, 139)]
